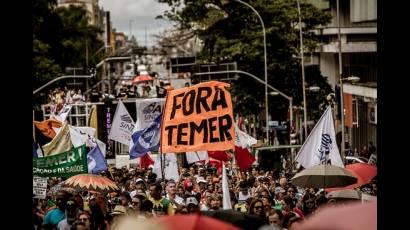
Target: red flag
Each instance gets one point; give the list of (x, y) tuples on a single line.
[(146, 161), (243, 157), (217, 164), (219, 155)]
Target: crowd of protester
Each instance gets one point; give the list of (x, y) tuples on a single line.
[(267, 194)]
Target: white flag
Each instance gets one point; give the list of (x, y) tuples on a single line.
[(170, 166), (85, 135), (193, 157), (320, 147), (80, 135), (62, 115), (122, 125), (242, 139), (225, 190), (147, 111)]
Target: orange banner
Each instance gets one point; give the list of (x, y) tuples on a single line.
[(347, 101), (198, 118), (46, 127)]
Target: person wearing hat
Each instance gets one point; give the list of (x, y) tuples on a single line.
[(192, 205), (139, 187), (119, 210), (202, 185)]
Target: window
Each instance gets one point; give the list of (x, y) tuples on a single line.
[(363, 10)]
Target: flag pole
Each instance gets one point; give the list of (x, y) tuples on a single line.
[(160, 137)]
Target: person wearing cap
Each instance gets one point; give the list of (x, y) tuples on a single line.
[(202, 184), (192, 205), (139, 187), (177, 201)]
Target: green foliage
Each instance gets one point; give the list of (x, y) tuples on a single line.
[(237, 35), (60, 39)]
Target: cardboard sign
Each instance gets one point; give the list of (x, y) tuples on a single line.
[(39, 187), (198, 118)]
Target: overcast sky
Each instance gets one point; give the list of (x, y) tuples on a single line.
[(143, 12)]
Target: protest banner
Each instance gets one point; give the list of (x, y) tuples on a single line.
[(64, 164), (198, 118), (39, 187)]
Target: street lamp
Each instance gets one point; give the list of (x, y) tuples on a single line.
[(130, 21), (266, 67), (303, 70), (348, 79)]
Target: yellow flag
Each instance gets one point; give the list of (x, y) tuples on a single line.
[(60, 143)]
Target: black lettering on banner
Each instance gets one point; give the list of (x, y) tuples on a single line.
[(203, 127), (170, 132), (175, 106), (212, 128), (180, 134), (219, 99), (224, 128), (202, 99), (185, 110)]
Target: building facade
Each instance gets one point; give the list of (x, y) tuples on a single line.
[(358, 30)]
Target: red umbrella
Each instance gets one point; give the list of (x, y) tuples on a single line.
[(194, 222), (364, 173), (353, 216), (142, 78)]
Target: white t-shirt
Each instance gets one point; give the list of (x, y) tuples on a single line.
[(242, 197), (63, 225), (179, 200)]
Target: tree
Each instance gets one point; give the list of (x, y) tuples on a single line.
[(230, 31), (61, 37)]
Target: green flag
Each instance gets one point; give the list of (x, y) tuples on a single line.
[(64, 164)]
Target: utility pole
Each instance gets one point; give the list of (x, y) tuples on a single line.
[(342, 145), (86, 68)]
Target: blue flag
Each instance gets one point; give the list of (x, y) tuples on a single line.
[(96, 161), (35, 149), (147, 139)]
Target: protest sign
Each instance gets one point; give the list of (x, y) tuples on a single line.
[(198, 118), (39, 187), (64, 164)]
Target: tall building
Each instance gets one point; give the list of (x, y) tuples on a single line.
[(358, 29), (90, 5)]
